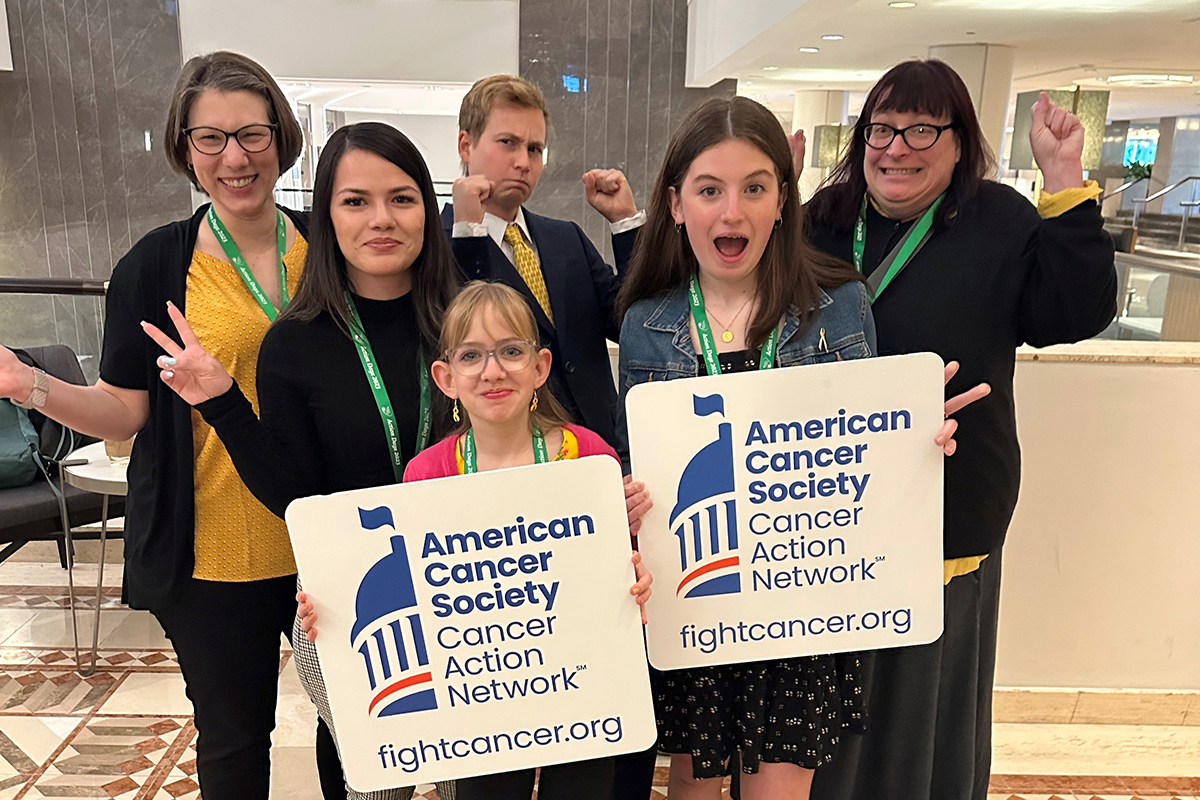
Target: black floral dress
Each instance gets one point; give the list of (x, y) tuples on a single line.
[(793, 710)]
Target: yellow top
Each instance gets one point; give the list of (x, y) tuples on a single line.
[(1050, 204), (237, 538), (1053, 204), (568, 451)]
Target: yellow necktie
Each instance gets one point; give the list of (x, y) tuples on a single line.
[(527, 267)]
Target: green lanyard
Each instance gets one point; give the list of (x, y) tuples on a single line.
[(903, 253), (235, 257), (708, 345), (375, 378), (471, 460)]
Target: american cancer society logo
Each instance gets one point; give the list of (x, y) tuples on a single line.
[(704, 518), (387, 629)]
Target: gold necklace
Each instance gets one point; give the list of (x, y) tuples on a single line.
[(727, 336)]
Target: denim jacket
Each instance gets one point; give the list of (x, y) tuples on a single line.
[(656, 344)]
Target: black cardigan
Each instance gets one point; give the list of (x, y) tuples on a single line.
[(159, 508), (993, 278)]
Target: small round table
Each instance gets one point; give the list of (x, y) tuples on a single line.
[(89, 468)]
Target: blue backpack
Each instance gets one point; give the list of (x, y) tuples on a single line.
[(18, 447)]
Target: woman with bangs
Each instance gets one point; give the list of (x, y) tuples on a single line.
[(965, 267)]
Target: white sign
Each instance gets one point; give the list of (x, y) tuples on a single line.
[(477, 624), (796, 511), (6, 62)]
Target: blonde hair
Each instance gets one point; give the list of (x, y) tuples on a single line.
[(498, 90), (511, 308)]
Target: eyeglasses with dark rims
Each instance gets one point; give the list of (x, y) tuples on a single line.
[(212, 141), (918, 137)]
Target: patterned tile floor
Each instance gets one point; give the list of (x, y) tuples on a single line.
[(126, 731)]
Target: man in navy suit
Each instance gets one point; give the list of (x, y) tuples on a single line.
[(572, 292)]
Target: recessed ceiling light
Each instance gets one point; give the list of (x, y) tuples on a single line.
[(902, 5), (748, 83), (1150, 80), (809, 49), (833, 37), (770, 69)]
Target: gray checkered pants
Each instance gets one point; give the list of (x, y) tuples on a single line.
[(304, 653)]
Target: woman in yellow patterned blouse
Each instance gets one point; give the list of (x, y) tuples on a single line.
[(195, 538)]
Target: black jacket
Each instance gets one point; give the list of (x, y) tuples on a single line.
[(583, 296), (159, 508), (995, 277)]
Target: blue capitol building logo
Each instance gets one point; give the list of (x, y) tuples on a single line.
[(387, 629), (704, 518)]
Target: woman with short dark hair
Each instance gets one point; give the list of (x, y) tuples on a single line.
[(967, 268), (210, 562)]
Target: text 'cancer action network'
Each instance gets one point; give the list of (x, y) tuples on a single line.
[(520, 584), (805, 465)]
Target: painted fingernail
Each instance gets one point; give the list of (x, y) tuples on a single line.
[(168, 374), (168, 361)]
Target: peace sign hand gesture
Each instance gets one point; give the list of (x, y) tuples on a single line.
[(190, 371), (1056, 138)]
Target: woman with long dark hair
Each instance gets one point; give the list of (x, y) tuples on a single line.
[(723, 281), (967, 268), (343, 376)]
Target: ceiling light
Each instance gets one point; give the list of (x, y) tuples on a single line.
[(902, 5), (770, 69), (1150, 80), (808, 49), (748, 83), (833, 37)]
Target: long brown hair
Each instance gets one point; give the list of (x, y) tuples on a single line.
[(323, 284), (923, 87), (473, 300), (790, 273)]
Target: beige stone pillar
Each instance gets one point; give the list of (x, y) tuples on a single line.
[(810, 109), (987, 70)]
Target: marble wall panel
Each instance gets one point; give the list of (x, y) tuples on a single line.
[(628, 57), (77, 183)]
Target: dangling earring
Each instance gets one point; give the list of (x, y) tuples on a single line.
[(679, 227), (778, 222), (533, 404), (454, 413)]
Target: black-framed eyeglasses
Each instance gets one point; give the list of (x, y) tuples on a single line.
[(918, 137), (212, 141), (513, 355)]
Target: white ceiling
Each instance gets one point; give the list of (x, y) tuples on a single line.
[(393, 97), (1057, 42)]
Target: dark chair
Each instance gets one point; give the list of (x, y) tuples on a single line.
[(31, 513)]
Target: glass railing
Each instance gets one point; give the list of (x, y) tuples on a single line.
[(1160, 300)]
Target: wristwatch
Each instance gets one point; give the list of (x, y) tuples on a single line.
[(37, 398)]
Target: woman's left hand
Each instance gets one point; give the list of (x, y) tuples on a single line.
[(637, 503), (641, 589), (945, 437), (1056, 138)]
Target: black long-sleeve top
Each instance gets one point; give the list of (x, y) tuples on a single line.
[(320, 430), (993, 278)]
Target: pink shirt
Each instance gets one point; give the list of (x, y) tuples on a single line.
[(439, 461)]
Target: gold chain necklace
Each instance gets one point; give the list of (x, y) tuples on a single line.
[(727, 335)]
